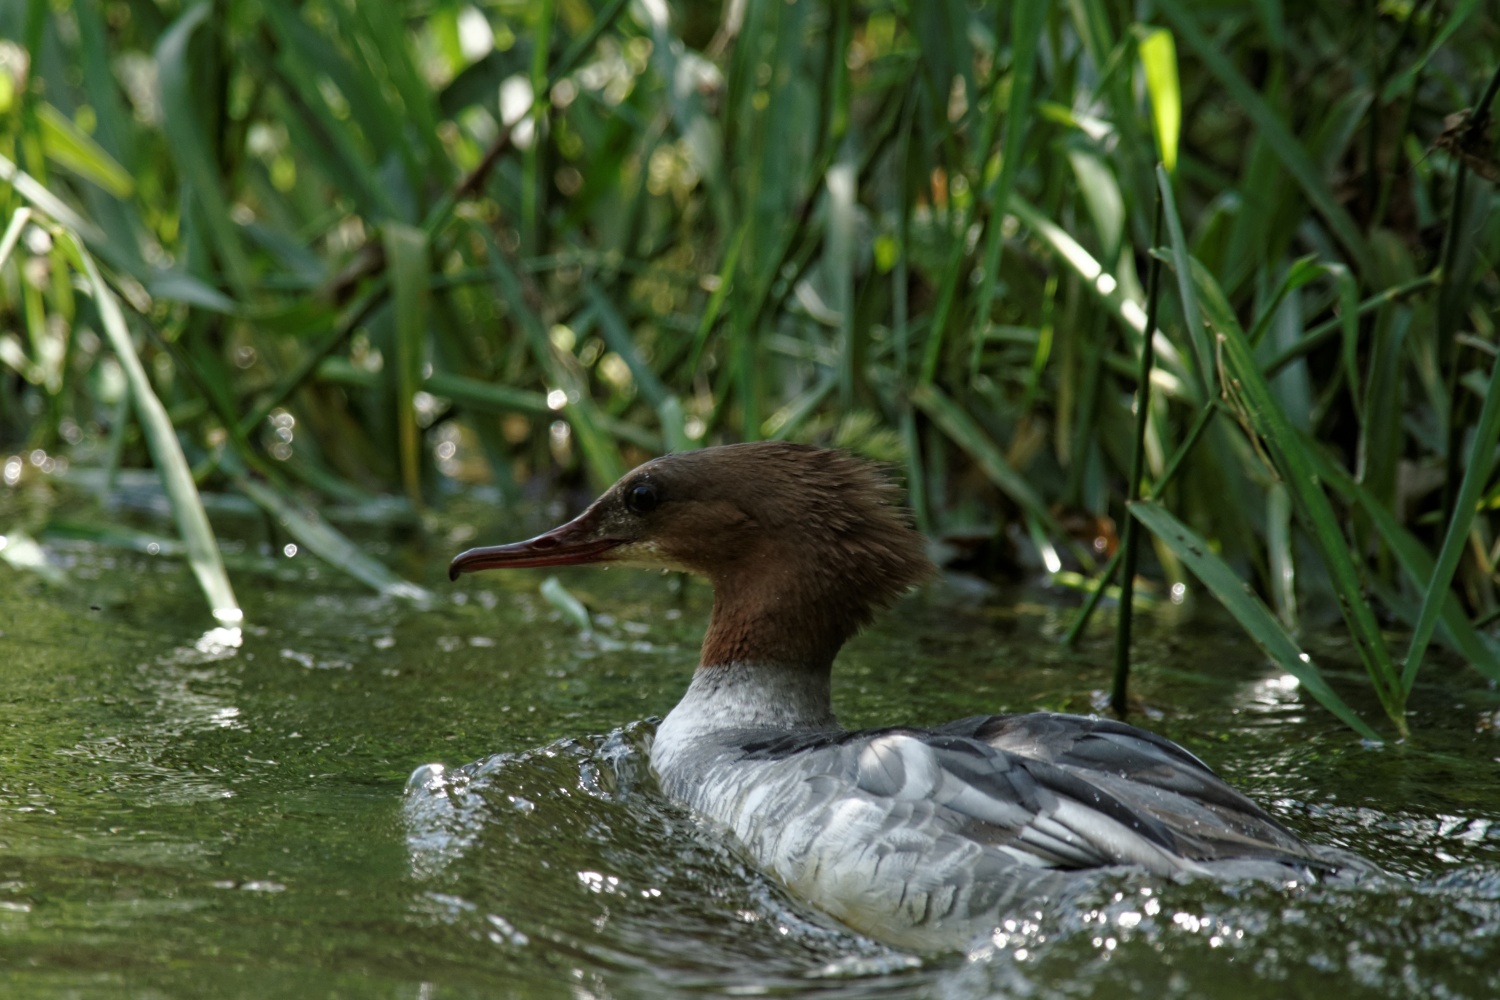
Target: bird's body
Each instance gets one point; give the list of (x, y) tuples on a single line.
[(920, 838)]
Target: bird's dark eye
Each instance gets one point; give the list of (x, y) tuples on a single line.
[(642, 498)]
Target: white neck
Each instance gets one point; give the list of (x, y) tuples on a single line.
[(735, 697)]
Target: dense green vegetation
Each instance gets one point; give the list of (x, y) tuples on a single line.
[(324, 251)]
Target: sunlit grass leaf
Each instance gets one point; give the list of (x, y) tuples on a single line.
[(70, 147), (1170, 369), (161, 439), (1159, 59), (838, 268), (12, 234), (406, 253), (1247, 609), (53, 207), (1280, 556)]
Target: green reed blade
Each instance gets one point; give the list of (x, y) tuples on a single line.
[(968, 435), (1170, 372), (406, 254), (1129, 545), (1257, 405), (1476, 475), (1158, 54), (668, 407), (1293, 155), (190, 147), (73, 149), (326, 542), (1203, 349), (1257, 621), (1478, 649), (1028, 21), (161, 439)]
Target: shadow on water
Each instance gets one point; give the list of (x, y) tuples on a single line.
[(188, 812)]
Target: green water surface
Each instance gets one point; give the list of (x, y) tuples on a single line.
[(190, 812)]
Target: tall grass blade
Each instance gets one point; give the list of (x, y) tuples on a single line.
[(1027, 22), (600, 452), (668, 407), (356, 313), (161, 439), (1107, 574), (12, 234), (181, 93), (1282, 565), (303, 60), (968, 435), (533, 194), (327, 542), (1170, 372), (1159, 59), (570, 607), (1247, 609), (1479, 650), (1257, 406), (75, 150), (53, 207), (1346, 323), (1476, 476), (1293, 155), (488, 397), (1406, 79), (407, 256), (1197, 333), (838, 268), (1129, 545)]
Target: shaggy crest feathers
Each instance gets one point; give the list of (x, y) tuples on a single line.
[(803, 545)]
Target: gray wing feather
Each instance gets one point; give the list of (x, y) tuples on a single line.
[(1072, 792)]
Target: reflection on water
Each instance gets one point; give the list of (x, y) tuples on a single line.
[(222, 812)]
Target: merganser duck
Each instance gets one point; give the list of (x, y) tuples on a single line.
[(921, 838)]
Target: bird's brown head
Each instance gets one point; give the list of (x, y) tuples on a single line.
[(802, 544)]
